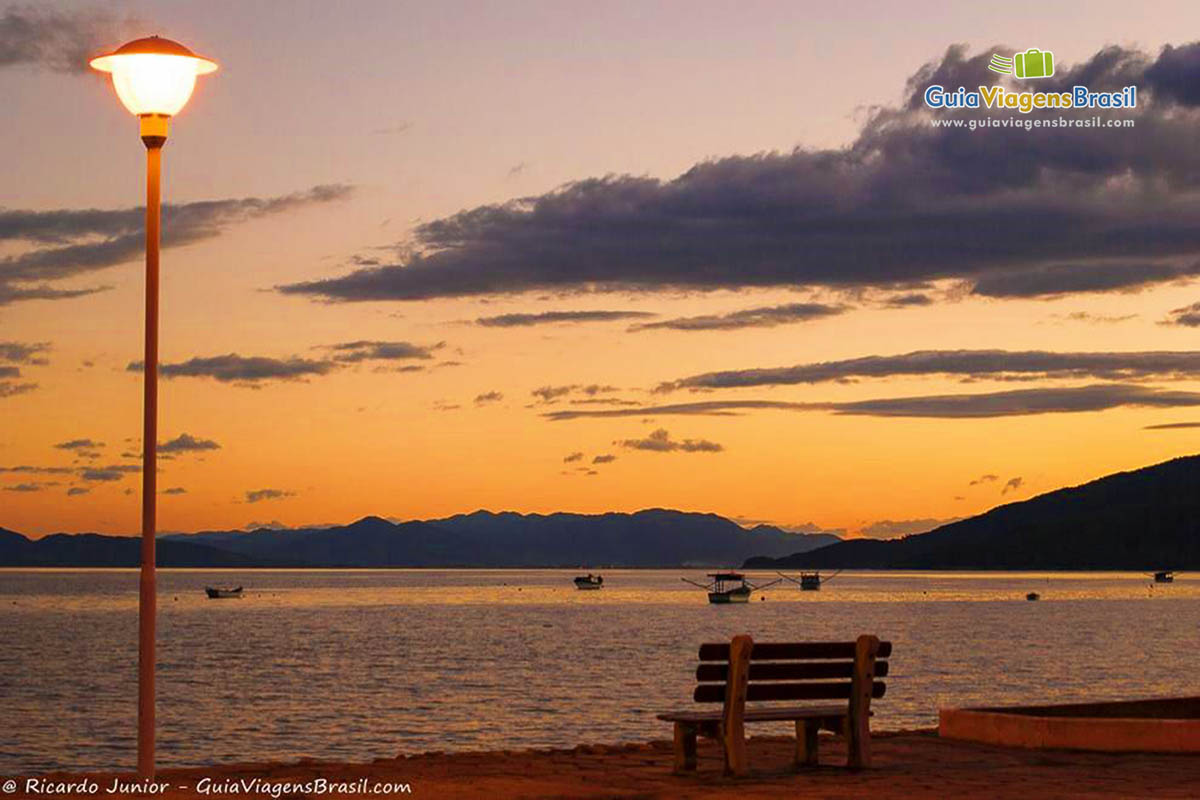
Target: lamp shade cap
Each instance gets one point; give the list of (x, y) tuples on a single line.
[(153, 45)]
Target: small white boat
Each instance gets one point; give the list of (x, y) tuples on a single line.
[(589, 581), (217, 592)]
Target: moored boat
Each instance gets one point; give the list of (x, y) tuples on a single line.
[(811, 580), (589, 581), (1033, 596), (1164, 576), (218, 592), (728, 587)]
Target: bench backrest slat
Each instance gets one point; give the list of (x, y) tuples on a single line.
[(787, 671)]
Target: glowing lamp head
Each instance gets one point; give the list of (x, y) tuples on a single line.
[(153, 76)]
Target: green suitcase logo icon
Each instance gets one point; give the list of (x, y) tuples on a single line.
[(1034, 63)]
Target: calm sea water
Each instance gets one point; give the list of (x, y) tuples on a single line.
[(359, 664)]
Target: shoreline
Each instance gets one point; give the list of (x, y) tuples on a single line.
[(909, 764)]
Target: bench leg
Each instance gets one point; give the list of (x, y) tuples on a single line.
[(685, 747), (858, 742), (733, 742), (806, 742)]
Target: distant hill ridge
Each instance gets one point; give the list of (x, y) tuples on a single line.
[(1144, 519), (649, 538)]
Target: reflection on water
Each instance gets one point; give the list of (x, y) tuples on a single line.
[(362, 663)]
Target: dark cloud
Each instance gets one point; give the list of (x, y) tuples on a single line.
[(988, 478), (233, 368), (68, 243), (551, 317), (1098, 319), (258, 495), (660, 441), (113, 472), (354, 352), (58, 40), (972, 364), (75, 491), (763, 317), (254, 370), (1054, 280), (26, 469), (31, 353), (489, 397), (892, 528), (550, 394), (607, 458), (10, 372), (1188, 316), (1098, 397), (572, 458), (12, 388), (79, 444), (910, 300), (174, 490), (1035, 213), (1171, 426), (1012, 485), (186, 443), (24, 487)]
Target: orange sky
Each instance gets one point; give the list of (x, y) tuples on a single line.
[(425, 112)]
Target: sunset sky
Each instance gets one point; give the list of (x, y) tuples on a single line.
[(425, 258)]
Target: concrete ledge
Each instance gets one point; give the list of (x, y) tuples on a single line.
[(1165, 725)]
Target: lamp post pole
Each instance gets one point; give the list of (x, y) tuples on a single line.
[(153, 130), (153, 77)]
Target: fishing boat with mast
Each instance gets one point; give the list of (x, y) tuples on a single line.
[(728, 587), (810, 581), (1164, 576)]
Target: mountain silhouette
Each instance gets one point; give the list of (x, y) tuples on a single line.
[(654, 537), (1146, 519)]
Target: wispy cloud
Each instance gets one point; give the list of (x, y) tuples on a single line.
[(762, 317), (354, 352), (557, 317), (68, 243), (1188, 316), (1171, 426), (58, 40), (660, 441), (969, 364), (488, 397), (1021, 402), (259, 495), (31, 353), (186, 443), (233, 368)]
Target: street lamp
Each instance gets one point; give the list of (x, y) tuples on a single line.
[(154, 78)]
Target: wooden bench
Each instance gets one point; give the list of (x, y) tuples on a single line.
[(741, 671)]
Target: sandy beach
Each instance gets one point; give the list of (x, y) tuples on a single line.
[(910, 764)]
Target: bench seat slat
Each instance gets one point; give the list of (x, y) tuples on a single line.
[(761, 714), (791, 651), (783, 671)]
